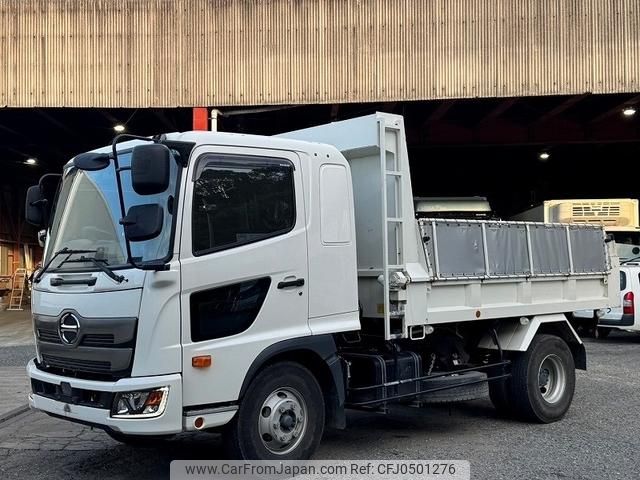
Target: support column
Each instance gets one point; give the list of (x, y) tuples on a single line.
[(200, 118)]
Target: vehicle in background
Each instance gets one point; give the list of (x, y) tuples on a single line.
[(626, 317), (453, 207), (618, 216), (620, 219)]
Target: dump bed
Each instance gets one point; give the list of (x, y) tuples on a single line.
[(415, 272)]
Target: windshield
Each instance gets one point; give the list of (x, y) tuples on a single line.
[(87, 215)]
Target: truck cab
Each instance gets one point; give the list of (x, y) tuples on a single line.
[(245, 268)]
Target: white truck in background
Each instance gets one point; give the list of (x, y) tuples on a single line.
[(260, 286), (453, 207), (620, 217)]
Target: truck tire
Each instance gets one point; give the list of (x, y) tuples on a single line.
[(543, 380), (456, 394), (602, 332), (281, 416)]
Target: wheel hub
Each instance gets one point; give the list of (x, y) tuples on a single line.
[(288, 421), (552, 378), (282, 421)]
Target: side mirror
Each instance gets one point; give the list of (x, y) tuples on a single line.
[(150, 169), (34, 209), (91, 161), (143, 222)]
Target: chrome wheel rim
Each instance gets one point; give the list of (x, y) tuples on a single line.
[(552, 378), (282, 421)]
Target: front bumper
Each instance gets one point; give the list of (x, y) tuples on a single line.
[(170, 421)]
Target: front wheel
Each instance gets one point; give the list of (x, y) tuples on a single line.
[(543, 380), (281, 416)]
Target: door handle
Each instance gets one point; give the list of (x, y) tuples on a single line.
[(298, 282)]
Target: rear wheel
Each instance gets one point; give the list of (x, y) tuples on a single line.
[(281, 416), (543, 380)]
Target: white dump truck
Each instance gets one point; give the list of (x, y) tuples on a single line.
[(259, 286)]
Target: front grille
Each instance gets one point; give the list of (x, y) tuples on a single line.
[(104, 351), (97, 340), (92, 366), (75, 396), (50, 336), (89, 340)]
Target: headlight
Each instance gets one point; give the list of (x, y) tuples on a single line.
[(140, 404)]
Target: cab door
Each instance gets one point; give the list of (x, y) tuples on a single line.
[(243, 264)]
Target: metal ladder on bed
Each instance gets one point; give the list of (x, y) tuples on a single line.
[(393, 258)]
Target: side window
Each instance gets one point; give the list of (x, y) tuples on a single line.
[(239, 200), (335, 219), (229, 310)]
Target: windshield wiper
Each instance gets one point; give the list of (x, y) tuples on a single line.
[(101, 264), (62, 251), (68, 251)]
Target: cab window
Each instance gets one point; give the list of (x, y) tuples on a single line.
[(239, 200)]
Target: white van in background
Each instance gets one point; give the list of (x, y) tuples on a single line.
[(626, 316)]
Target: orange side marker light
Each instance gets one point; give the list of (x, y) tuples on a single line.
[(201, 361)]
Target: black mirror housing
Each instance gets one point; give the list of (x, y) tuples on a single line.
[(40, 200), (150, 169), (92, 161), (143, 222), (34, 209)]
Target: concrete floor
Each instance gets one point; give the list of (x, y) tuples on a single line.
[(16, 349), (598, 439), (16, 328)]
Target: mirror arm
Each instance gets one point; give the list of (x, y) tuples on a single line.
[(119, 169), (116, 164), (155, 266)]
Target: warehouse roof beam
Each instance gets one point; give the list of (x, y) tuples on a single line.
[(496, 112), (562, 107)]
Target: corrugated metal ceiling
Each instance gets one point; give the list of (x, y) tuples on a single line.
[(139, 53)]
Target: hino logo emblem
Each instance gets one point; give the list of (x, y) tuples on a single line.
[(69, 328)]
